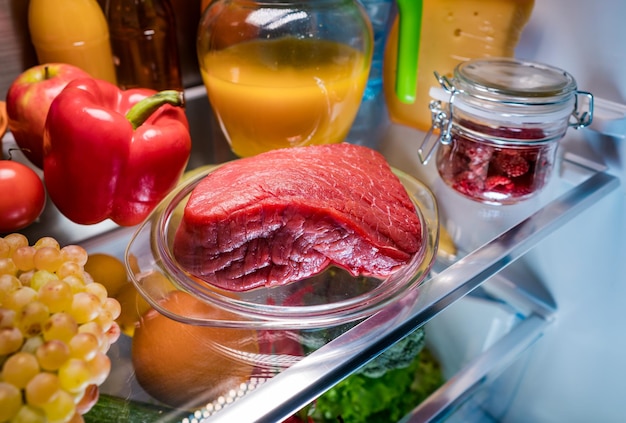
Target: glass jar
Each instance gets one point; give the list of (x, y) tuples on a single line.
[(284, 73), (500, 127)]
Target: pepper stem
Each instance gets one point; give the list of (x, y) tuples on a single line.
[(142, 110)]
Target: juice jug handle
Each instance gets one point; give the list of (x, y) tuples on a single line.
[(409, 30)]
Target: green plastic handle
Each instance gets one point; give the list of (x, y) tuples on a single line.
[(409, 31)]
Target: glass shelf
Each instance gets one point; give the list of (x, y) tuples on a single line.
[(494, 240), (481, 270), (287, 392)]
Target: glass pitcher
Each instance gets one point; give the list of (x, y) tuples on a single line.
[(284, 73)]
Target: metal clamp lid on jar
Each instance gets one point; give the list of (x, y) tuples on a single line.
[(520, 91)]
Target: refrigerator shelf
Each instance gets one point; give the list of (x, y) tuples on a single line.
[(287, 392), (488, 245), (481, 270)]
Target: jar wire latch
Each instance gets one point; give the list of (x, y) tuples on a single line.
[(439, 131), (583, 118)]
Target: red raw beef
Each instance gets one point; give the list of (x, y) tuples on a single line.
[(288, 214)]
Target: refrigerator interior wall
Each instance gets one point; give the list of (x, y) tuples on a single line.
[(577, 373)]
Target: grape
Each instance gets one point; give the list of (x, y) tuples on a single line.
[(8, 285), (7, 318), (19, 298), (112, 335), (113, 307), (24, 258), (48, 258), (98, 290), (29, 414), (15, 241), (56, 326), (32, 344), (61, 326), (7, 267), (25, 278), (70, 268), (19, 368), (74, 375), (105, 319), (10, 401), (10, 340), (57, 295), (40, 278), (99, 367), (42, 388), (84, 346), (52, 354), (87, 401), (47, 241), (5, 248), (32, 318), (85, 307), (75, 254), (61, 408)]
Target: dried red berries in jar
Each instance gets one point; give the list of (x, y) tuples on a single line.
[(495, 173)]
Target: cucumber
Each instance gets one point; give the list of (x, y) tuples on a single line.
[(111, 409)]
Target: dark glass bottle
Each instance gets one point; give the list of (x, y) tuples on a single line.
[(144, 44)]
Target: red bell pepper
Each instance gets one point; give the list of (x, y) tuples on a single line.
[(110, 153)]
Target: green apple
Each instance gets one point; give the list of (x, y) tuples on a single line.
[(28, 101)]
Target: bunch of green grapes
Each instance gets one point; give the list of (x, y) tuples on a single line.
[(56, 326)]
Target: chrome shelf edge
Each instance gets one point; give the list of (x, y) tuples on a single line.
[(300, 384), (479, 372)]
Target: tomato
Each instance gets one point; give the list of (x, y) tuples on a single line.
[(22, 196)]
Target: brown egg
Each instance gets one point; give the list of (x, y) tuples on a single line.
[(185, 365)]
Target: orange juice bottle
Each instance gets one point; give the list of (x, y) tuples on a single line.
[(73, 32)]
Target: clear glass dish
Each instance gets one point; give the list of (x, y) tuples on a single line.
[(331, 298)]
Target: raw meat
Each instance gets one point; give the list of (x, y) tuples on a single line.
[(287, 214)]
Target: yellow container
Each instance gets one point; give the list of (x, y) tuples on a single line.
[(452, 31), (73, 32)]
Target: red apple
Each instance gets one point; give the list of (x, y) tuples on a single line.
[(28, 101)]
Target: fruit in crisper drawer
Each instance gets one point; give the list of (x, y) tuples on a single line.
[(22, 196), (184, 365), (28, 100), (56, 326), (452, 31), (288, 214)]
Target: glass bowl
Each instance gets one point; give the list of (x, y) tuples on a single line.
[(329, 299)]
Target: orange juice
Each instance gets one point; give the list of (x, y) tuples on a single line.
[(74, 32), (286, 92)]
